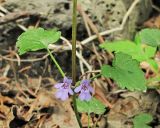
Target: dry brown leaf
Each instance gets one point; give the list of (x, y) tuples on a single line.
[(64, 117), (47, 112), (6, 116), (5, 99), (132, 104), (101, 96)]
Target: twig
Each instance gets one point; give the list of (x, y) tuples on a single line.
[(39, 84), (6, 70), (3, 9), (154, 6), (21, 90), (90, 23), (85, 23), (12, 17), (80, 62), (93, 71), (24, 69), (24, 60), (97, 54), (78, 55), (17, 56)]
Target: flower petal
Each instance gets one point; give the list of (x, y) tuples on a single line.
[(64, 89), (68, 81), (90, 88), (82, 96), (70, 91), (86, 82), (58, 85), (78, 89), (59, 94), (64, 96), (87, 96)]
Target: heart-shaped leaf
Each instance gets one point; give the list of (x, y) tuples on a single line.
[(36, 39), (125, 72), (140, 52)]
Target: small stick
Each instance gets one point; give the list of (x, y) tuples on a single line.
[(89, 21), (12, 17)]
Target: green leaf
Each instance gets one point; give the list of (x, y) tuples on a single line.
[(137, 39), (137, 51), (153, 64), (142, 120), (36, 39), (125, 72), (93, 105), (150, 37)]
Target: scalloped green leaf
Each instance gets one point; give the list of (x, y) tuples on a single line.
[(93, 105), (150, 37), (36, 39), (141, 120), (126, 72), (137, 51)]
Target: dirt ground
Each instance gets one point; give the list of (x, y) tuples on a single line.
[(26, 82)]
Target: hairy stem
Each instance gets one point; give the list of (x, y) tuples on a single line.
[(56, 63), (74, 33)]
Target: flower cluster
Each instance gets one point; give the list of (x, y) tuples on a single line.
[(64, 89)]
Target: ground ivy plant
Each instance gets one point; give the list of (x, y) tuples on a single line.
[(125, 70), (36, 39)]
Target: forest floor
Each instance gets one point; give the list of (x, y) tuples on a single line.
[(26, 82)]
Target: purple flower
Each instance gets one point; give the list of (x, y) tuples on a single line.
[(85, 90), (64, 89)]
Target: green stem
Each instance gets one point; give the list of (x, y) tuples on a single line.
[(56, 63), (76, 111), (98, 75), (74, 33), (88, 120)]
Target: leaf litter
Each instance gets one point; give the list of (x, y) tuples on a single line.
[(34, 110), (32, 104)]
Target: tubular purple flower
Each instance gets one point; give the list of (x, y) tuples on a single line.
[(85, 90), (64, 89)]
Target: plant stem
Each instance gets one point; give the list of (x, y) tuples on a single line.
[(98, 75), (74, 33), (76, 111), (56, 63), (88, 120)]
